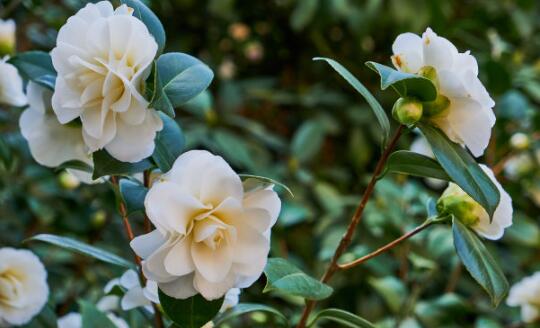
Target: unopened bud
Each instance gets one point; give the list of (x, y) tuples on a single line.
[(519, 141), (68, 180), (407, 110), (454, 201), (7, 37)]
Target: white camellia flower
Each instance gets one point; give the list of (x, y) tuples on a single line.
[(211, 234), (7, 36), (50, 142), (135, 295), (526, 293), (103, 56), (23, 286), (463, 109), (11, 85), (455, 201)]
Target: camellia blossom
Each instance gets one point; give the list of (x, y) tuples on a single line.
[(463, 109), (526, 293), (107, 305), (103, 57), (455, 201), (135, 295), (212, 235), (7, 36), (11, 85), (50, 142), (23, 286)]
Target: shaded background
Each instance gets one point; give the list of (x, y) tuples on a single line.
[(272, 111)]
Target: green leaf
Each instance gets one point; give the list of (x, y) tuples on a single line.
[(462, 168), (75, 165), (178, 79), (346, 319), (45, 319), (92, 317), (36, 66), (479, 262), (265, 183), (80, 247), (105, 164), (307, 141), (408, 162), (373, 103), (133, 194), (284, 277), (193, 312), (244, 308), (170, 143), (152, 22), (392, 290), (405, 84)]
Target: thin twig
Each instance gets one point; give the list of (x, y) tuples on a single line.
[(347, 237)]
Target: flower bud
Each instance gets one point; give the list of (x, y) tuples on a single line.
[(520, 141), (68, 180), (7, 37), (454, 201), (407, 110)]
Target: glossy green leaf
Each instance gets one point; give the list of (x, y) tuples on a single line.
[(408, 162), (344, 318), (405, 84), (80, 247), (373, 103), (170, 143), (479, 262), (152, 22), (244, 308), (105, 164), (392, 290), (133, 194), (92, 317), (193, 312), (76, 165), (36, 66), (307, 141), (462, 168), (263, 183), (178, 79), (286, 278)]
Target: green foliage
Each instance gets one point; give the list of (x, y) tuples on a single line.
[(152, 22), (169, 144), (408, 162), (36, 66), (463, 169), (92, 317), (193, 312), (79, 247), (344, 318), (479, 262), (245, 308), (178, 79), (284, 277), (405, 84), (133, 194), (105, 164)]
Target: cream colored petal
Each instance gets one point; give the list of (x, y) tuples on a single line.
[(11, 86), (65, 102), (134, 298), (220, 182), (187, 169), (266, 199), (178, 261), (181, 287), (438, 52), (407, 49), (153, 266), (213, 265), (212, 291), (146, 245)]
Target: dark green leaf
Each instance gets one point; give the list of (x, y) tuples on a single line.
[(169, 144), (80, 247), (193, 312), (373, 103), (105, 164), (346, 319), (408, 162), (36, 66), (405, 84), (45, 319), (92, 317), (479, 262), (244, 308), (152, 22), (284, 277), (462, 168), (75, 165), (178, 79), (133, 194), (307, 141)]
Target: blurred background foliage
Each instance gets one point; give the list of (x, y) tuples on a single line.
[(272, 111)]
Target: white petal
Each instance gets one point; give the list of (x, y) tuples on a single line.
[(130, 279), (179, 262), (134, 298), (153, 267), (180, 288), (220, 182), (266, 199), (213, 265), (407, 49), (438, 51), (147, 244), (212, 291), (65, 102), (11, 86)]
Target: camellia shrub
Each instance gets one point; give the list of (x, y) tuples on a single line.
[(100, 106)]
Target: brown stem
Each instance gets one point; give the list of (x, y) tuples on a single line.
[(347, 237), (129, 231), (385, 247)]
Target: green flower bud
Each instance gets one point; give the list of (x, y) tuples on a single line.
[(436, 107), (454, 201), (520, 141), (68, 180), (407, 110)]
